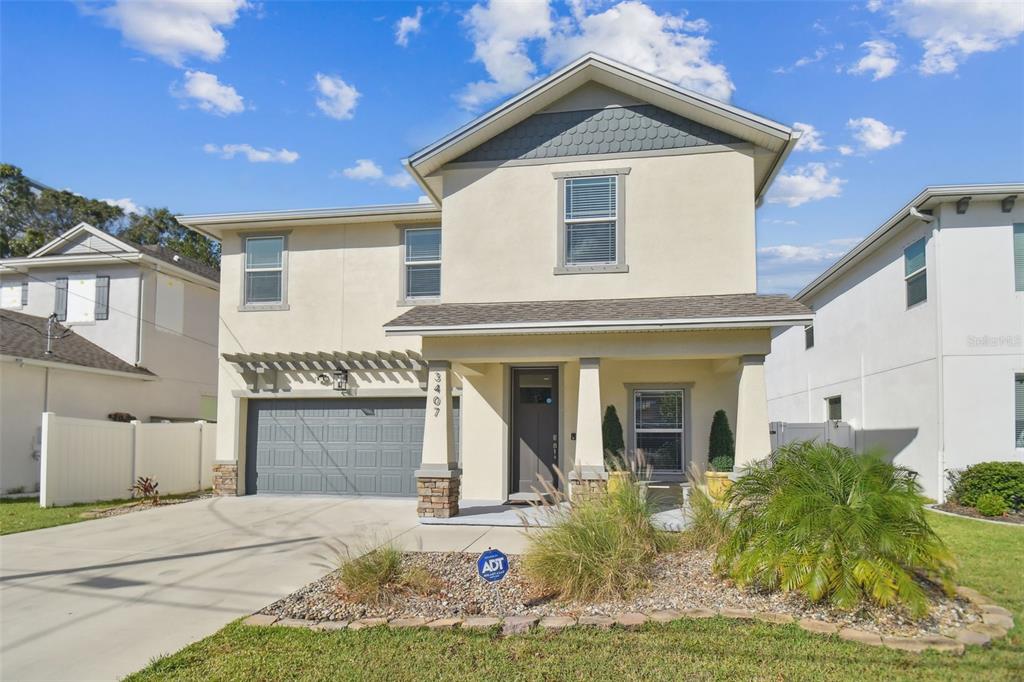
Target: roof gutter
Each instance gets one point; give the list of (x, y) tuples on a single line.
[(77, 368), (584, 326)]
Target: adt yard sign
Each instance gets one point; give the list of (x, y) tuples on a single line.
[(492, 565)]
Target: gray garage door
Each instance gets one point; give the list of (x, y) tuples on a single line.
[(343, 446)]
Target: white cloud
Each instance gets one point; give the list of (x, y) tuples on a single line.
[(873, 135), (499, 32), (210, 94), (252, 154), (846, 150), (423, 199), (819, 54), (125, 204), (810, 182), (172, 30), (951, 31), (407, 26), (880, 61), (790, 253), (789, 267), (368, 170), (337, 98), (668, 45), (810, 138)]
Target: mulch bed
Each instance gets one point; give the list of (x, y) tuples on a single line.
[(678, 581), (954, 508)]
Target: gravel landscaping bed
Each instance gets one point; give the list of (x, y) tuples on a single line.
[(953, 508), (141, 505), (681, 580)]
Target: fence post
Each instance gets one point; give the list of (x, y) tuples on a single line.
[(202, 425), (44, 446), (136, 435)]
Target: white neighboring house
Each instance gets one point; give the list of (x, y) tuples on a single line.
[(918, 336), (144, 340)]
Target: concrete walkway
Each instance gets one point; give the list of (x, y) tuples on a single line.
[(99, 599)]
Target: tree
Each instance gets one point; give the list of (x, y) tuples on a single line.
[(721, 445), (30, 216), (159, 226), (611, 435)]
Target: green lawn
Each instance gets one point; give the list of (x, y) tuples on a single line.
[(992, 557), (21, 514)]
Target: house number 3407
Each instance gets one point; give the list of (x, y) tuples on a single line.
[(437, 389)]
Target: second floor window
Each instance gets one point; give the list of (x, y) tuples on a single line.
[(809, 336), (264, 270), (915, 273), (1018, 256), (422, 263), (591, 220)]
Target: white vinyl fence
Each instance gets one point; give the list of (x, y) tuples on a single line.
[(86, 460)]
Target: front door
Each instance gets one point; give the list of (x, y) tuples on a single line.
[(534, 428)]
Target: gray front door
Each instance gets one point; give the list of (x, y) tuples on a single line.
[(534, 428), (353, 446)]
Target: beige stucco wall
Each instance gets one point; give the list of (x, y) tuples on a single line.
[(689, 229)]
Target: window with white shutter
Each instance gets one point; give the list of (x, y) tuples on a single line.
[(60, 303), (102, 297)]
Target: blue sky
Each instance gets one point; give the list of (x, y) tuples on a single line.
[(231, 105)]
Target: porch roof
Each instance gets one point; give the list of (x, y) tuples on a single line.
[(678, 312)]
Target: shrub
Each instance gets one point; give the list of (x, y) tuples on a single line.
[(707, 524), (1005, 479), (991, 504), (614, 445), (147, 488), (379, 576), (601, 548), (721, 445), (818, 519)]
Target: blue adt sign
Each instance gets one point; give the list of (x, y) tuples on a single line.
[(492, 565)]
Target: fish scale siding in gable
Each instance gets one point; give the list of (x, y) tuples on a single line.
[(611, 130)]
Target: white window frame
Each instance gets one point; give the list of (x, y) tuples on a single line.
[(922, 271), (809, 328), (1018, 444), (282, 304), (404, 297), (684, 389), (828, 407), (562, 266)]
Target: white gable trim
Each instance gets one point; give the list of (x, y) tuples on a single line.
[(78, 229)]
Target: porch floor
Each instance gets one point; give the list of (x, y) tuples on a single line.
[(667, 499)]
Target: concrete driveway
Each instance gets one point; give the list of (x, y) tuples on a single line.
[(100, 599)]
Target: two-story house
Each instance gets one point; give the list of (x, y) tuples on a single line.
[(135, 333), (918, 336), (590, 242)]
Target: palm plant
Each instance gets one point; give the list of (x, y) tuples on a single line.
[(821, 520)]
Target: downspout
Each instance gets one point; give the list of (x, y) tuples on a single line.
[(940, 398)]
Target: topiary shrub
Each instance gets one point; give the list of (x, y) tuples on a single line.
[(614, 444), (821, 520), (1005, 479), (721, 444), (991, 504)]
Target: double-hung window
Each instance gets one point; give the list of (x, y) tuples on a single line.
[(264, 271), (808, 336), (658, 428), (422, 263), (591, 220), (915, 273), (1018, 256)]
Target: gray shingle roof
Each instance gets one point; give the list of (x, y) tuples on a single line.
[(651, 310), (24, 336), (637, 128), (168, 256)]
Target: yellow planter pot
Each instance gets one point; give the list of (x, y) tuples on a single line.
[(718, 483), (617, 480)]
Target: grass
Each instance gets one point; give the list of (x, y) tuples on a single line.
[(691, 649), (18, 515), (380, 576)]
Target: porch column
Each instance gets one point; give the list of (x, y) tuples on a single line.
[(437, 480), (588, 474), (752, 439)]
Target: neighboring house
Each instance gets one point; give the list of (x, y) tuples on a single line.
[(143, 342), (918, 335), (590, 243)]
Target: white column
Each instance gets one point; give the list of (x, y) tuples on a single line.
[(438, 425), (589, 441), (753, 441)]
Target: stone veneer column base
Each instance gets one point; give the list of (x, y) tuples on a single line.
[(587, 484), (437, 497), (225, 479)]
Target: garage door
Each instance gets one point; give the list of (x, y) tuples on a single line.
[(342, 446)]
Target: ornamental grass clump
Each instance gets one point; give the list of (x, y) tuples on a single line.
[(602, 547), (837, 526), (379, 576)]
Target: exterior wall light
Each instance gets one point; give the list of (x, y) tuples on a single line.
[(341, 380)]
